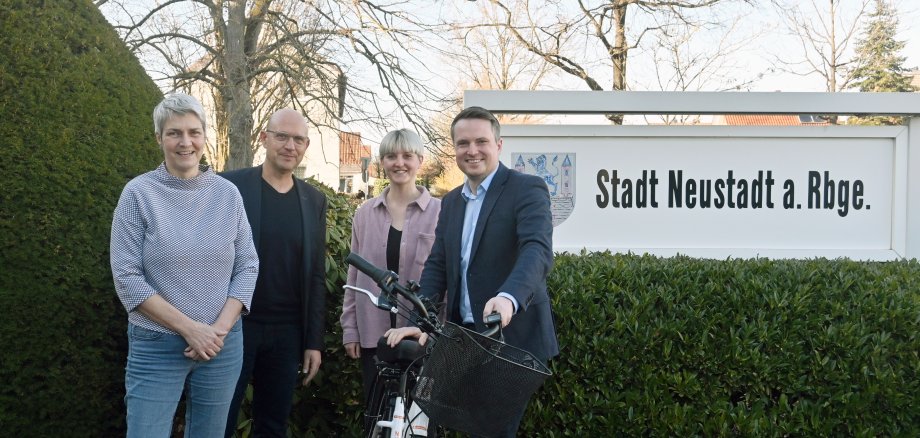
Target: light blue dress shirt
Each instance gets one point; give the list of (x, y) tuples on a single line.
[(470, 218)]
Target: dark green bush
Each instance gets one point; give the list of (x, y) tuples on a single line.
[(663, 347), (331, 404), (75, 123), (687, 347)]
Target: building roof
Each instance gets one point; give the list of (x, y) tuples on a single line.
[(772, 120), (351, 151), (915, 78)]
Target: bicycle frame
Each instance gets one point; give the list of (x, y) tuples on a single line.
[(413, 423), (404, 423)]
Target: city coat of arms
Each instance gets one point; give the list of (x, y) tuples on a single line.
[(557, 170)]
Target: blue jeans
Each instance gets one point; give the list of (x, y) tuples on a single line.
[(158, 372), (271, 359)]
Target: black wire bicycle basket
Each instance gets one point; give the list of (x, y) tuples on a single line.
[(472, 383)]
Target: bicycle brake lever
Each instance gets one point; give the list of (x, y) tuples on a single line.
[(370, 296)]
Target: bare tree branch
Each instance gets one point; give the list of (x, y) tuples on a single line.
[(249, 58), (604, 23), (823, 36)]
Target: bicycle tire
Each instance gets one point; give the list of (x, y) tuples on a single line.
[(381, 404)]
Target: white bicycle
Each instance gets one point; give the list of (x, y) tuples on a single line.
[(464, 380)]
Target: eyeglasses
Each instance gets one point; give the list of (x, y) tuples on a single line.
[(283, 137)]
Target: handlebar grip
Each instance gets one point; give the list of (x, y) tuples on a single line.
[(493, 318), (366, 267), (493, 323)]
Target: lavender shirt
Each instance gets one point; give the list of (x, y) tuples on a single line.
[(361, 321)]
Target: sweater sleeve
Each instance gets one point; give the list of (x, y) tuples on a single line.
[(126, 248)]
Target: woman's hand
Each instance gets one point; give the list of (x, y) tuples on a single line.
[(228, 317), (204, 341), (353, 350), (397, 334)]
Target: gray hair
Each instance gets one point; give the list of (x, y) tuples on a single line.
[(401, 140), (177, 104)]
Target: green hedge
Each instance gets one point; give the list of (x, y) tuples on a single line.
[(687, 347), (75, 123), (650, 346)]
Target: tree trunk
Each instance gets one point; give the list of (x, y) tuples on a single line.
[(235, 93), (218, 159), (832, 78), (619, 56)]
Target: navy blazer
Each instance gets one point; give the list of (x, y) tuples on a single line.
[(313, 211), (512, 252)]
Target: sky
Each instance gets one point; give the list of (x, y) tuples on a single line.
[(758, 37), (763, 39), (759, 34)]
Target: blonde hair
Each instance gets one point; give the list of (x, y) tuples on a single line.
[(401, 140)]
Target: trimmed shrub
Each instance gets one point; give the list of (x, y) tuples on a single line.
[(332, 404), (76, 123), (688, 347)]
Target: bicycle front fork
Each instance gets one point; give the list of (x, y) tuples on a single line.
[(416, 425)]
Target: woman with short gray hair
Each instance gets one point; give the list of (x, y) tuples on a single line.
[(185, 267)]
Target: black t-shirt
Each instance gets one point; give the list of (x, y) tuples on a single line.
[(393, 240), (277, 298), (394, 237)]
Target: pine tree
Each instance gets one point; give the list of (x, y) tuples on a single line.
[(880, 66)]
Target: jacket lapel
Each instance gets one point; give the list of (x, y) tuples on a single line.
[(254, 206), (492, 195), (307, 221)]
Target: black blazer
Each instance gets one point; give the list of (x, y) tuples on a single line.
[(512, 252), (313, 211)]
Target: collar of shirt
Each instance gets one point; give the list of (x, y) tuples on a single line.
[(422, 201), (481, 190)]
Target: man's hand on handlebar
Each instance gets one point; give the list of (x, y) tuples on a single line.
[(397, 334), (503, 306)]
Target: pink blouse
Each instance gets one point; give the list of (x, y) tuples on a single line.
[(361, 321)]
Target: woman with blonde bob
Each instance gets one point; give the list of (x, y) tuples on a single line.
[(395, 230)]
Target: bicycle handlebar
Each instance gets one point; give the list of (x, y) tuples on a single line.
[(379, 276), (387, 280), (494, 323)]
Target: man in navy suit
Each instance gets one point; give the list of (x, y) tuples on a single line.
[(493, 244), (284, 331)]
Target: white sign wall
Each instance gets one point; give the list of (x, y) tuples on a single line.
[(721, 191)]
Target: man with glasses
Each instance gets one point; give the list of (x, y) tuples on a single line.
[(283, 333)]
